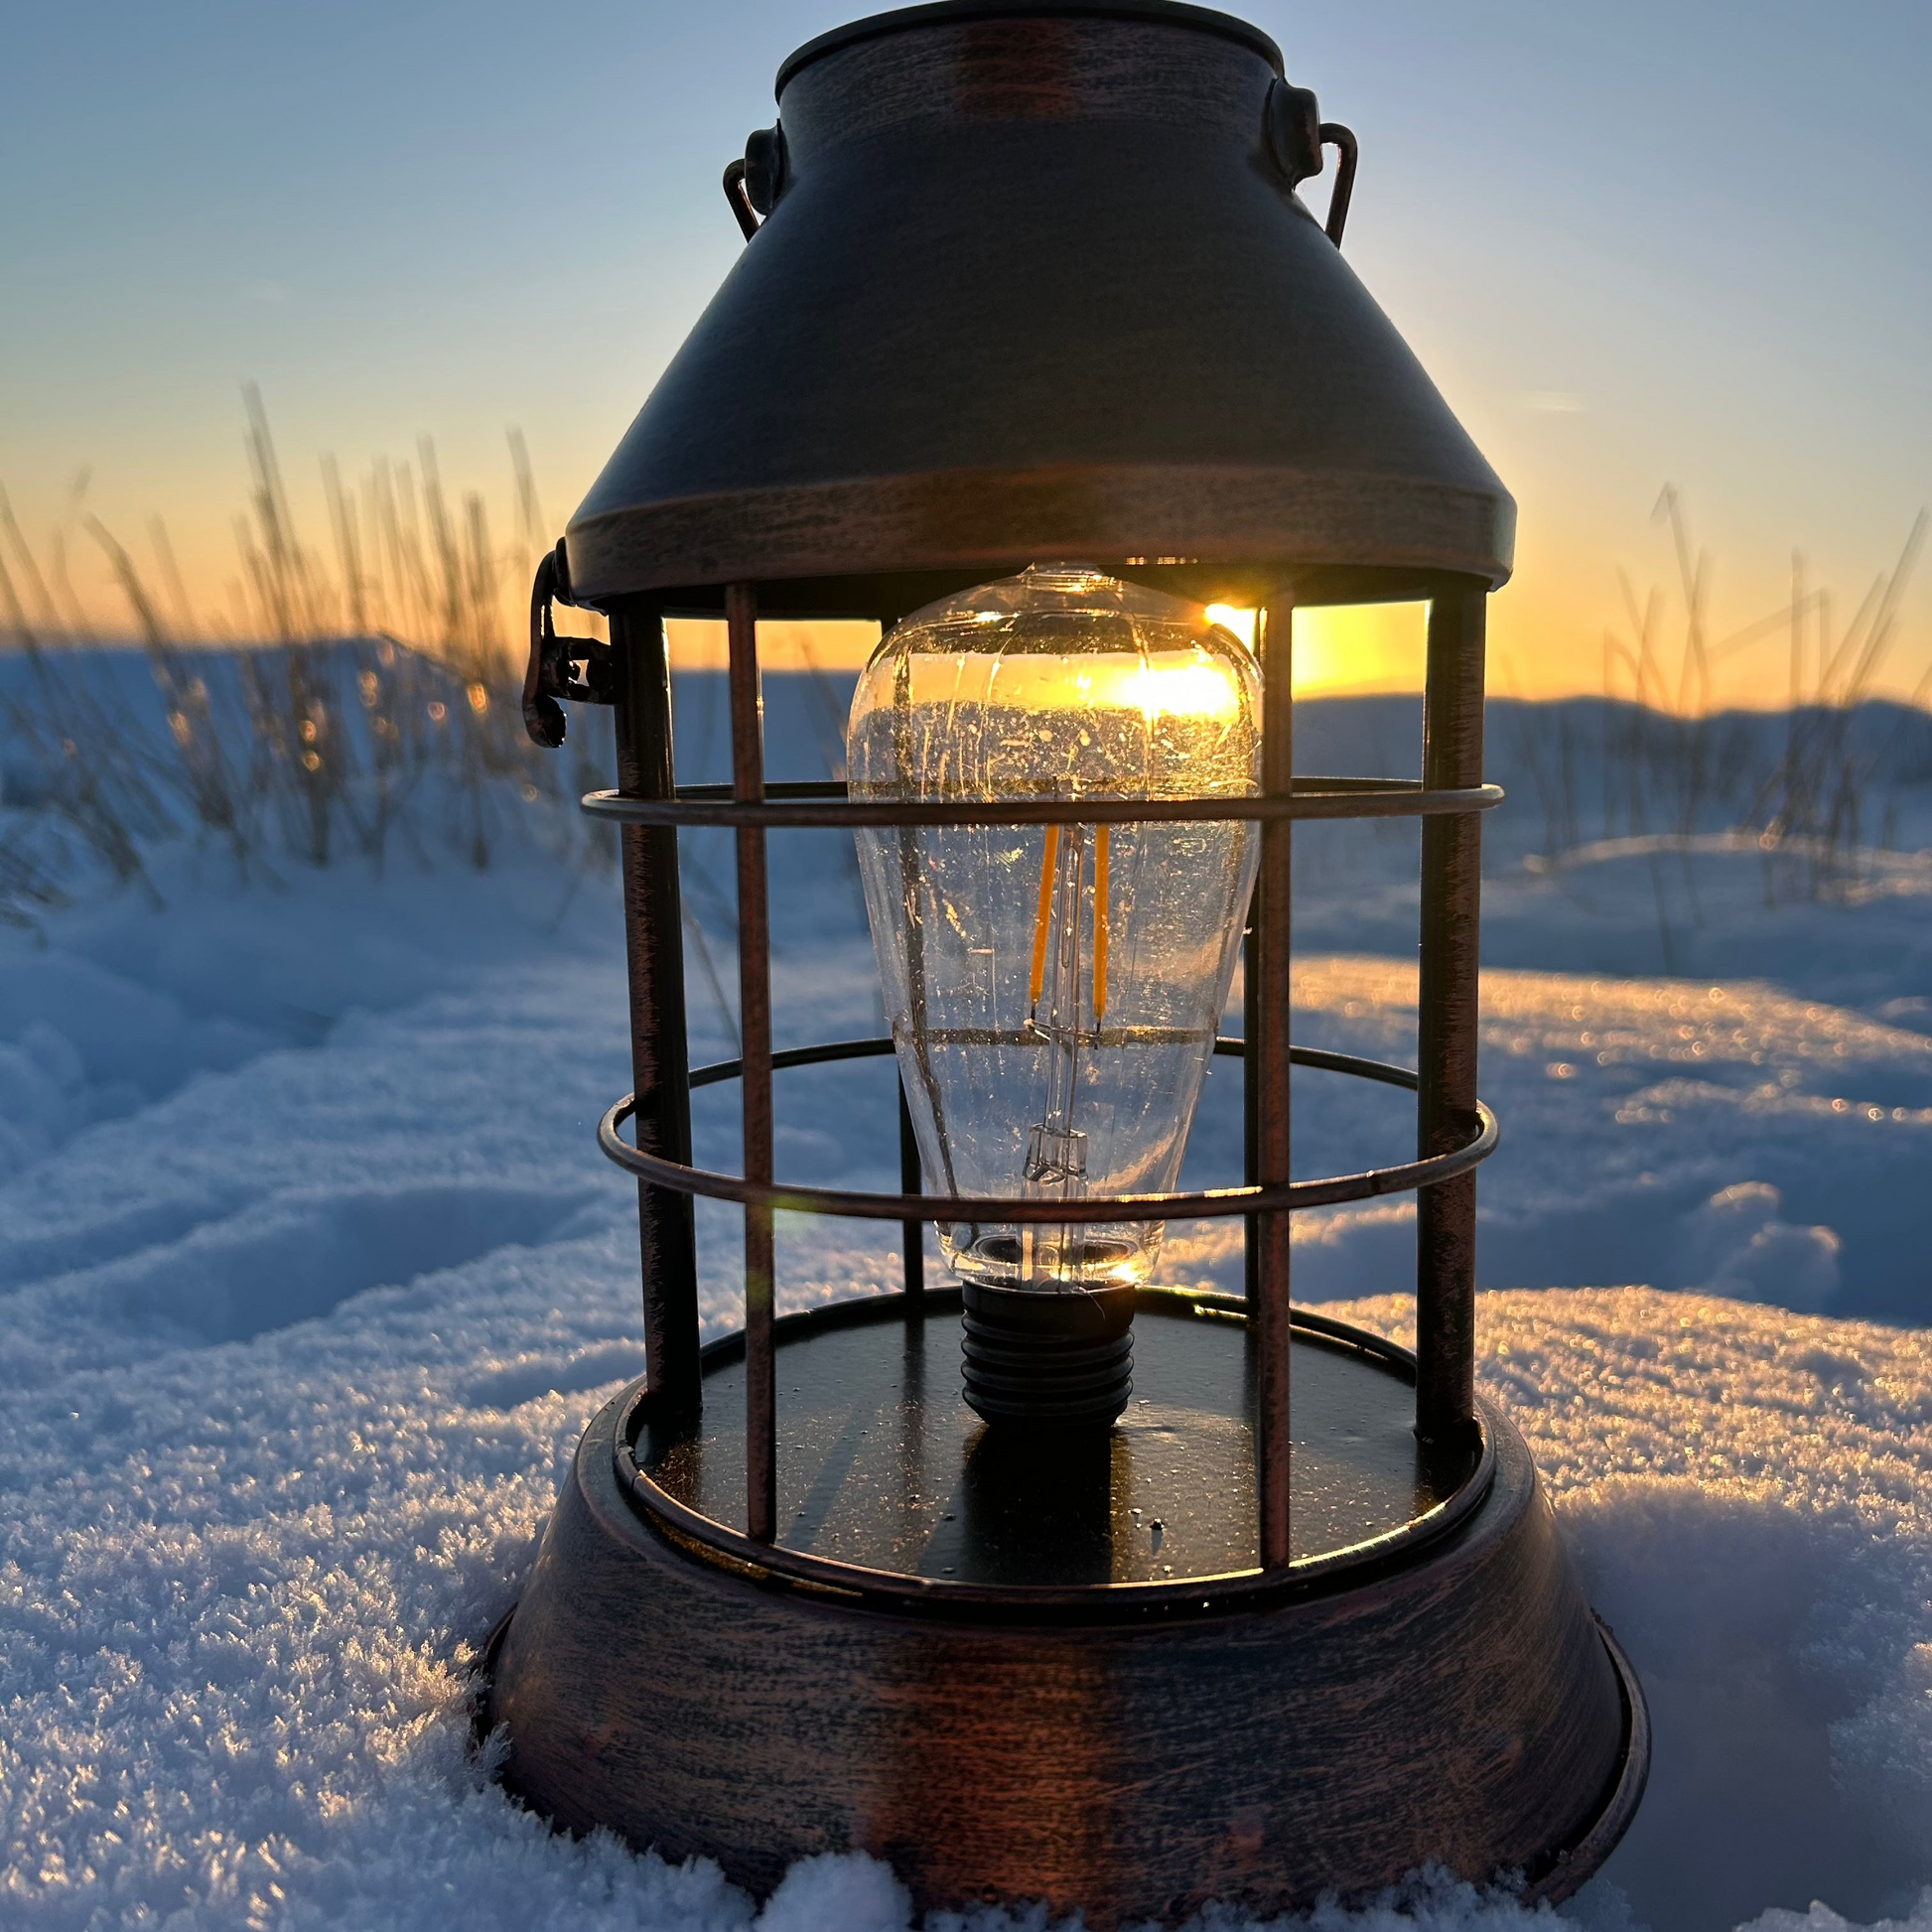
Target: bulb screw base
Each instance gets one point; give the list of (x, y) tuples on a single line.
[(1057, 1361)]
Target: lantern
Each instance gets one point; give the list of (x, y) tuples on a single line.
[(1052, 1583)]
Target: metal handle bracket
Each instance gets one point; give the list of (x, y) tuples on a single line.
[(553, 672), (1334, 135), (753, 184), (1297, 134)]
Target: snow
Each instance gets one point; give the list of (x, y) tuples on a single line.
[(312, 1275)]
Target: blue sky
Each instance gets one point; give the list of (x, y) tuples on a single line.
[(1635, 243)]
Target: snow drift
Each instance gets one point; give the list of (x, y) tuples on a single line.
[(311, 1276)]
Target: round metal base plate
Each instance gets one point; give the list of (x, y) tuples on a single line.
[(882, 1465), (1129, 1749)]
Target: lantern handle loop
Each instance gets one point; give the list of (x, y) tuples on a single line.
[(1295, 135), (741, 200), (1347, 153), (1342, 140), (552, 673), (754, 182)]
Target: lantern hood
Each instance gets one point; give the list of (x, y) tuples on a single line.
[(1036, 281)]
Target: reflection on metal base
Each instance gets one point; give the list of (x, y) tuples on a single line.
[(1128, 1755)]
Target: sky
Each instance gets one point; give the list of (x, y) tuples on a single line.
[(1637, 245)]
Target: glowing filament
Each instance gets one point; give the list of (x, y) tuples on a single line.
[(1046, 912), (1043, 919)]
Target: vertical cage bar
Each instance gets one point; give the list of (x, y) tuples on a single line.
[(1269, 1076), (1250, 1092), (911, 1181), (755, 1032), (1446, 1105), (660, 1065)]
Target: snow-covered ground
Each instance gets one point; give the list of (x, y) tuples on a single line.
[(310, 1274)]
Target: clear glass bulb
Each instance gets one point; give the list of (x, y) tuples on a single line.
[(1054, 991)]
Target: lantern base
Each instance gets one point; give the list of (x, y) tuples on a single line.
[(1130, 1751)]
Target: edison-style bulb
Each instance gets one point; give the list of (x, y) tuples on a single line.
[(1054, 991)]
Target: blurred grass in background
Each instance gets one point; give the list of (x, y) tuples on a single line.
[(341, 706), (360, 698)]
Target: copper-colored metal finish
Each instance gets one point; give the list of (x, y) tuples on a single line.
[(1280, 1197), (1565, 1873), (907, 385), (1267, 1071), (755, 1035), (741, 205), (1446, 1020), (1459, 1705), (823, 802), (1250, 1111), (659, 1054), (870, 391), (1436, 1509), (988, 523), (1226, 1047), (911, 1182), (1206, 20), (1334, 135)]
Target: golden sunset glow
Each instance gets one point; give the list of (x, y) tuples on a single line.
[(700, 645), (1593, 358), (1201, 689), (1165, 684), (1347, 647)]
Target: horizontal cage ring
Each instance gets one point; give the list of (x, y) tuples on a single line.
[(779, 814), (853, 1204)]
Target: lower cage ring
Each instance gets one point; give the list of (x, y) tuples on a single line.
[(772, 1564)]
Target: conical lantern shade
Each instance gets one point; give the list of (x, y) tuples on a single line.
[(1036, 283)]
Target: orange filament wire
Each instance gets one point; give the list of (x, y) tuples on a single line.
[(1099, 921), (1046, 910)]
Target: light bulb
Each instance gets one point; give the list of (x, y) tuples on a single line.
[(1054, 991)]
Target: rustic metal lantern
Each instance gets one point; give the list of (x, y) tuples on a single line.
[(1032, 328)]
